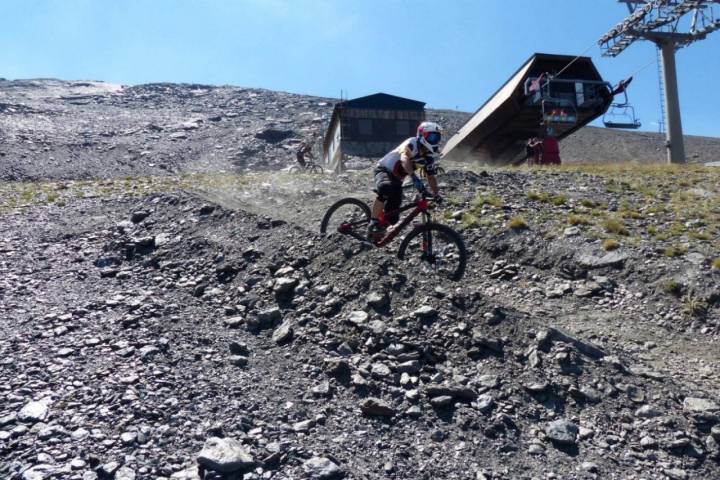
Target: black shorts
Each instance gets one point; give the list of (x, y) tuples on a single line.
[(389, 190)]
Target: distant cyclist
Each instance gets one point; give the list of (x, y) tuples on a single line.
[(419, 151), (304, 149)]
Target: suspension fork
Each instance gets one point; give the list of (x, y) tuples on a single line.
[(427, 244)]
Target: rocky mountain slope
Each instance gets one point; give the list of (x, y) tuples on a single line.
[(52, 129), (172, 326)]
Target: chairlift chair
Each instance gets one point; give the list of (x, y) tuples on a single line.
[(621, 115)]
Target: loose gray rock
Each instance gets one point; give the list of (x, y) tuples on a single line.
[(425, 312), (224, 455), (699, 405), (125, 473), (33, 412), (283, 333), (562, 432), (377, 408), (321, 468)]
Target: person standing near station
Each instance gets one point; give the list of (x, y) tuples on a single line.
[(550, 148)]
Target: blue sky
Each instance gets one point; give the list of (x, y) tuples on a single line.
[(449, 53)]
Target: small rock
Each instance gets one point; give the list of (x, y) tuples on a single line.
[(675, 474), (377, 408), (33, 412), (139, 216), (425, 312), (442, 401), (125, 473), (378, 300), (239, 348), (239, 360), (358, 317), (648, 411), (224, 455), (562, 432), (321, 468), (284, 333), (699, 405)]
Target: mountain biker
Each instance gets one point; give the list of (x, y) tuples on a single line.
[(419, 151), (303, 149)]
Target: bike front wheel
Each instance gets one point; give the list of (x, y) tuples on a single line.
[(348, 216), (316, 169), (437, 249)]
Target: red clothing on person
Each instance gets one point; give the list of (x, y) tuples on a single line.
[(550, 151)]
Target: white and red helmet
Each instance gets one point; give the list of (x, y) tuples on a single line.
[(429, 135)]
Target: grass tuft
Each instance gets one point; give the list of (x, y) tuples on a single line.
[(610, 244), (577, 220), (613, 225), (675, 251), (517, 223), (491, 200), (672, 287)]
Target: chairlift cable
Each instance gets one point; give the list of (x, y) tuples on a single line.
[(654, 60), (576, 59)]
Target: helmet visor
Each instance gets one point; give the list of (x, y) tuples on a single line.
[(433, 138)]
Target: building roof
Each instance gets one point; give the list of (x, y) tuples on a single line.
[(383, 101)]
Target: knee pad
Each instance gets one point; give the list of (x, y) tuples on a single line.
[(384, 191)]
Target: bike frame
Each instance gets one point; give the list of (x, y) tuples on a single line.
[(419, 207)]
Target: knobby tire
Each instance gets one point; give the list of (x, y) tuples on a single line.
[(341, 203), (449, 233)]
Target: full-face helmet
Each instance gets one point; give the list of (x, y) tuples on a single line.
[(429, 135)]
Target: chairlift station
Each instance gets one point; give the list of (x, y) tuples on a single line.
[(534, 98), (566, 93)]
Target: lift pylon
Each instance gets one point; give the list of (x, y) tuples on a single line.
[(661, 22)]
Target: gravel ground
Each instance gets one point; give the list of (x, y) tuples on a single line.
[(188, 325)]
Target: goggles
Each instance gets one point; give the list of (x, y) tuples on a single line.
[(433, 138)]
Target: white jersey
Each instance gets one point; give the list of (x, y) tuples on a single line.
[(392, 162)]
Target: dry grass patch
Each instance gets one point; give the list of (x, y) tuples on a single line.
[(675, 251), (492, 200), (613, 225), (610, 244), (716, 264), (577, 220), (517, 223), (546, 197)]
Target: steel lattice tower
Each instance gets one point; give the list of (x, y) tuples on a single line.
[(661, 22)]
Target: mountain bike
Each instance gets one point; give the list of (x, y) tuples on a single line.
[(437, 248), (310, 167)]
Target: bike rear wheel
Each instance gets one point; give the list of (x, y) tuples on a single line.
[(437, 249), (348, 216), (294, 169)]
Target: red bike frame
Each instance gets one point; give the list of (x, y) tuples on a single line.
[(420, 206)]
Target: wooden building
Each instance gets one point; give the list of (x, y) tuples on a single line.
[(370, 126)]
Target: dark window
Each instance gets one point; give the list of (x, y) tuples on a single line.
[(365, 126), (403, 127)]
